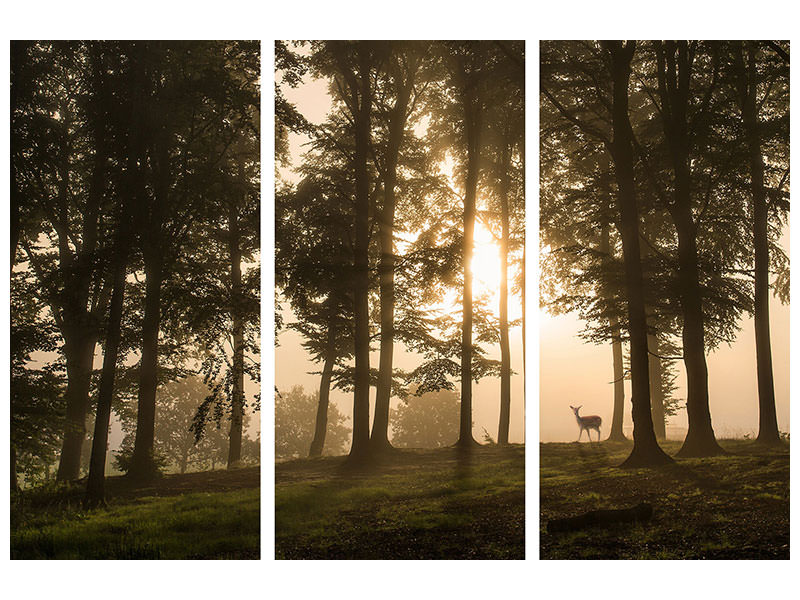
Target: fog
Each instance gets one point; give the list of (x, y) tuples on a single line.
[(572, 372)]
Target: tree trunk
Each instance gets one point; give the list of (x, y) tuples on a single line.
[(237, 392), (617, 434), (656, 390), (472, 125), (321, 425), (359, 448), (95, 493), (674, 72), (143, 466), (767, 417), (505, 350), (79, 352), (379, 440), (646, 451), (14, 479)]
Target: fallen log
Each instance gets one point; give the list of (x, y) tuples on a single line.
[(641, 512)]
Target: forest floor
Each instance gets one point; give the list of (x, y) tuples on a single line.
[(206, 515), (415, 504), (734, 506)]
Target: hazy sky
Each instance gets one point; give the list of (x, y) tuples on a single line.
[(291, 361), (574, 372)]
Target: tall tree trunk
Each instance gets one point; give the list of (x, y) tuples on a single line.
[(646, 451), (380, 425), (674, 74), (747, 86), (472, 126), (359, 448), (79, 352), (321, 423), (237, 392), (700, 440), (656, 371), (143, 466), (95, 493), (617, 434), (505, 350)]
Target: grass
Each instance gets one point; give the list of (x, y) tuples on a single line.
[(418, 504), (173, 519), (733, 506)]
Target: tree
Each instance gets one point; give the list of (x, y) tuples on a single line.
[(295, 414), (312, 269), (430, 420), (617, 141), (194, 104), (60, 157), (403, 64), (646, 450), (37, 388), (505, 147), (762, 116), (467, 64), (674, 65)]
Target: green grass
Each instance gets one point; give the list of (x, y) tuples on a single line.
[(51, 524), (726, 507), (417, 504)]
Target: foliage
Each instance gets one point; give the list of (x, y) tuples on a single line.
[(295, 415), (176, 447), (429, 420)]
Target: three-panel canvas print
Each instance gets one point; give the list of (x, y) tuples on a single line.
[(381, 261)]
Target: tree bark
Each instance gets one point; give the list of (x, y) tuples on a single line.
[(472, 127), (143, 466), (505, 350), (95, 493), (237, 391), (674, 73), (360, 444), (79, 326), (14, 479), (646, 451), (656, 391), (747, 86), (617, 434), (379, 440), (79, 351), (321, 424)]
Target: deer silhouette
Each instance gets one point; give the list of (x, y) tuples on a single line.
[(587, 423)]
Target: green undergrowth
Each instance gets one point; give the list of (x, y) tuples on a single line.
[(50, 523), (418, 504), (725, 507)]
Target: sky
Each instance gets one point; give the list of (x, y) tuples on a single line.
[(292, 366)]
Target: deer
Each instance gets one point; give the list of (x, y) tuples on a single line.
[(587, 423)]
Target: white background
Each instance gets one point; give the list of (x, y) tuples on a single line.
[(386, 580)]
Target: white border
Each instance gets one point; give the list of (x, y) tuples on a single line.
[(414, 19)]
